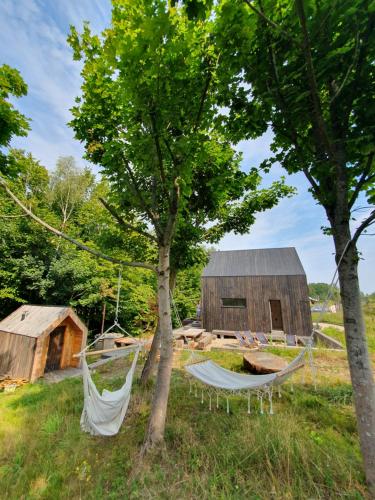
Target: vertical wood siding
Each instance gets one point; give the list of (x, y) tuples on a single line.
[(16, 355), (291, 291)]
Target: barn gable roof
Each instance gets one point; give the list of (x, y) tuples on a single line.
[(257, 262), (34, 321)]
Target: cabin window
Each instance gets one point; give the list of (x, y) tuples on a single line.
[(233, 303)]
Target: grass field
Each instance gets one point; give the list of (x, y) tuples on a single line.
[(336, 319), (307, 449)]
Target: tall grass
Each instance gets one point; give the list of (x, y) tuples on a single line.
[(308, 449)]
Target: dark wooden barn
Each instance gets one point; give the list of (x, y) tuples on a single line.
[(37, 339), (259, 290)]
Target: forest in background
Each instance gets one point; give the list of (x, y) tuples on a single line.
[(37, 267)]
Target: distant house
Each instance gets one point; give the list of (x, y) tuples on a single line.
[(258, 290), (37, 339), (324, 309)]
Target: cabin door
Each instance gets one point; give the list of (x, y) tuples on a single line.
[(276, 315), (55, 348)]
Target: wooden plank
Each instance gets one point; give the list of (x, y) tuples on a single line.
[(16, 355), (103, 351), (327, 340)]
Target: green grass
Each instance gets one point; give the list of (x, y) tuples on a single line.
[(336, 319), (308, 449)]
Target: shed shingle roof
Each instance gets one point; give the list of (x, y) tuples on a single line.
[(34, 321), (259, 262)]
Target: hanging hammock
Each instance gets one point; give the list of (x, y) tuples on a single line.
[(103, 414), (219, 380), (210, 373)]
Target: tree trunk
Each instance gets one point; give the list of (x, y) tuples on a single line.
[(152, 355), (156, 425), (151, 358), (358, 355), (103, 317)]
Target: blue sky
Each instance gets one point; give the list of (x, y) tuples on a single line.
[(33, 40)]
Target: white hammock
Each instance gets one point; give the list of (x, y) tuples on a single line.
[(210, 373), (103, 414)]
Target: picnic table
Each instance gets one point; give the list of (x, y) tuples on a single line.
[(189, 333)]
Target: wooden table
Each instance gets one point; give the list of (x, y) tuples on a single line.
[(190, 333), (263, 362), (124, 341)]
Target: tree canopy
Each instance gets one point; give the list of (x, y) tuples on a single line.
[(147, 117), (12, 122), (305, 69)]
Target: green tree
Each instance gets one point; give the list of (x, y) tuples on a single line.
[(320, 291), (12, 122), (69, 187), (146, 116), (305, 68), (32, 271)]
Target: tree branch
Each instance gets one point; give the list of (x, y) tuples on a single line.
[(157, 146), (366, 223), (320, 125), (350, 68), (175, 199), (171, 154), (293, 134), (98, 254), (125, 225), (203, 100), (12, 216), (362, 180), (159, 153), (138, 193), (313, 182), (270, 22)]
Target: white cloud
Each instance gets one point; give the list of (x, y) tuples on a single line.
[(33, 39)]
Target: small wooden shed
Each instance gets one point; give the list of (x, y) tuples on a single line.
[(38, 339), (259, 290)]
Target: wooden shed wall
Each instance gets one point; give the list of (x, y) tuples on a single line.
[(74, 341), (291, 291), (16, 355)]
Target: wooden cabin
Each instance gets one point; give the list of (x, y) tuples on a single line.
[(259, 290), (38, 339)]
